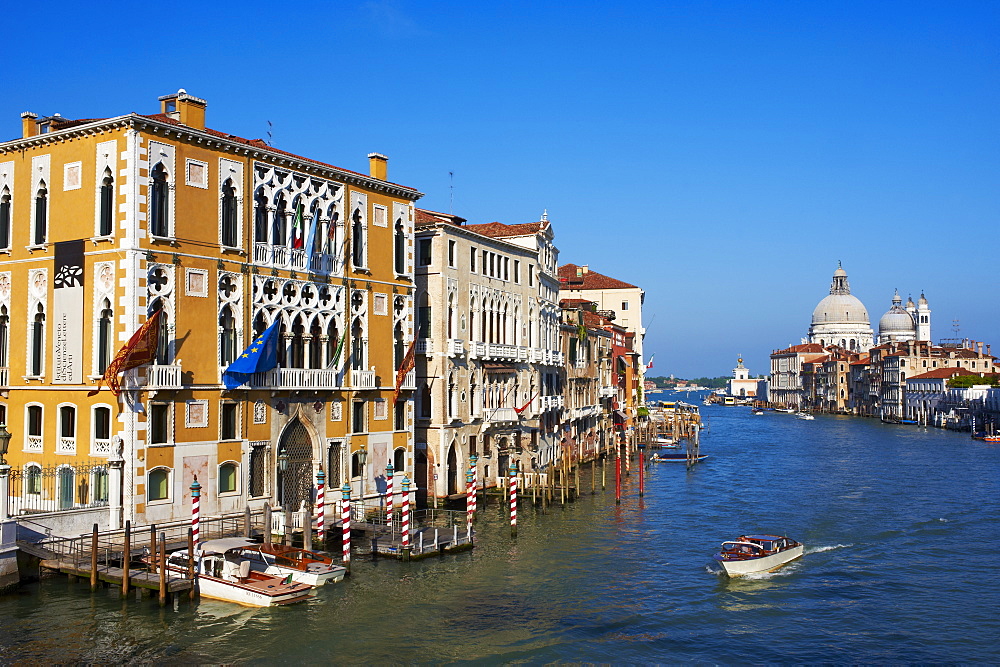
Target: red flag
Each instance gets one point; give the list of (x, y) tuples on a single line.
[(404, 367), (140, 349), (525, 406)]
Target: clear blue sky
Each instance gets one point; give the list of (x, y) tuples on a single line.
[(722, 155)]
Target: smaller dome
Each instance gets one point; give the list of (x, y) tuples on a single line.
[(896, 321), (923, 300), (909, 303)]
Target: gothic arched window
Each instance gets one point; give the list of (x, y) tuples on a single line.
[(159, 201), (41, 215), (229, 219), (105, 218)]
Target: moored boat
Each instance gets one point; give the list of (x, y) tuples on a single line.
[(804, 415), (676, 457), (223, 575), (280, 560), (757, 553)]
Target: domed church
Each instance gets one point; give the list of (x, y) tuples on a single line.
[(840, 318), (910, 323)]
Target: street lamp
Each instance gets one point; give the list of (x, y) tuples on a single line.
[(362, 459), (4, 443), (283, 468)]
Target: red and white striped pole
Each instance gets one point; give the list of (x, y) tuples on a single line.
[(475, 484), (513, 500), (321, 507), (195, 508), (469, 503), (389, 500), (406, 518), (345, 516)]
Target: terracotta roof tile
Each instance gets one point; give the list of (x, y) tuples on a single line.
[(942, 373), (424, 216), (499, 230), (569, 279)]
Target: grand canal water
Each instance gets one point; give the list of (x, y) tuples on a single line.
[(899, 523)]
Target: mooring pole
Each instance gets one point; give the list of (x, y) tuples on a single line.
[(191, 571), (618, 477), (163, 569), (470, 503), (406, 518), (642, 472), (345, 519), (321, 508), (93, 559), (513, 500), (126, 557)]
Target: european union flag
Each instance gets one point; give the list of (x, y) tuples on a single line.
[(260, 356)]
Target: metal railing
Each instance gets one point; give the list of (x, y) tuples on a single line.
[(34, 489)]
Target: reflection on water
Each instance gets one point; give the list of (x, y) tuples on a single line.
[(597, 582)]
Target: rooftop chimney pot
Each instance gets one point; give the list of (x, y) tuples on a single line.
[(378, 166)]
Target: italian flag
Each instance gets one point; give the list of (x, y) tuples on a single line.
[(297, 228)]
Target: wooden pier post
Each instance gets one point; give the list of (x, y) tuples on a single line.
[(247, 526), (307, 534), (152, 544), (93, 559), (126, 557), (593, 476), (618, 478), (162, 561), (288, 524), (642, 473), (268, 537), (604, 472)]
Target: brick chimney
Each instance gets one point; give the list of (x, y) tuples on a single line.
[(29, 127), (378, 166), (186, 109)]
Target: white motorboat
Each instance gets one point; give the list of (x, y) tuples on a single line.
[(804, 415), (666, 442), (223, 575), (757, 553), (279, 560)]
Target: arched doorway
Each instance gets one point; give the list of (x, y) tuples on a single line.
[(295, 484), (452, 470)]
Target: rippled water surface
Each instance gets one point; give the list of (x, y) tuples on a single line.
[(898, 523)]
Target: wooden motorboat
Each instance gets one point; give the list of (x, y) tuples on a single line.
[(224, 575), (676, 457), (757, 553), (304, 566)]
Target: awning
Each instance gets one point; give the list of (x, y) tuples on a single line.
[(499, 367), (620, 417)]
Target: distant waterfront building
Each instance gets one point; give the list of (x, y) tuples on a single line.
[(745, 386), (840, 318), (617, 300)]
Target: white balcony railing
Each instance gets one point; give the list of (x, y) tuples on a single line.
[(424, 346), (287, 258), (499, 351), (153, 377), (497, 415), (33, 443), (477, 350), (65, 445), (295, 378), (100, 447), (363, 379), (410, 381), (608, 391), (456, 347)]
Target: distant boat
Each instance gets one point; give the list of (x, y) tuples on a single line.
[(676, 457), (804, 415)]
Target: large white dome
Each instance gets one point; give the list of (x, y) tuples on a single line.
[(840, 309), (840, 318)]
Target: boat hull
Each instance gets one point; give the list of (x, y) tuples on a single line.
[(210, 587), (737, 568)]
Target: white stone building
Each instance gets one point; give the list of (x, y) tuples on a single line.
[(489, 369), (840, 318)]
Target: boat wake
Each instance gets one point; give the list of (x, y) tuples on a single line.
[(817, 550)]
